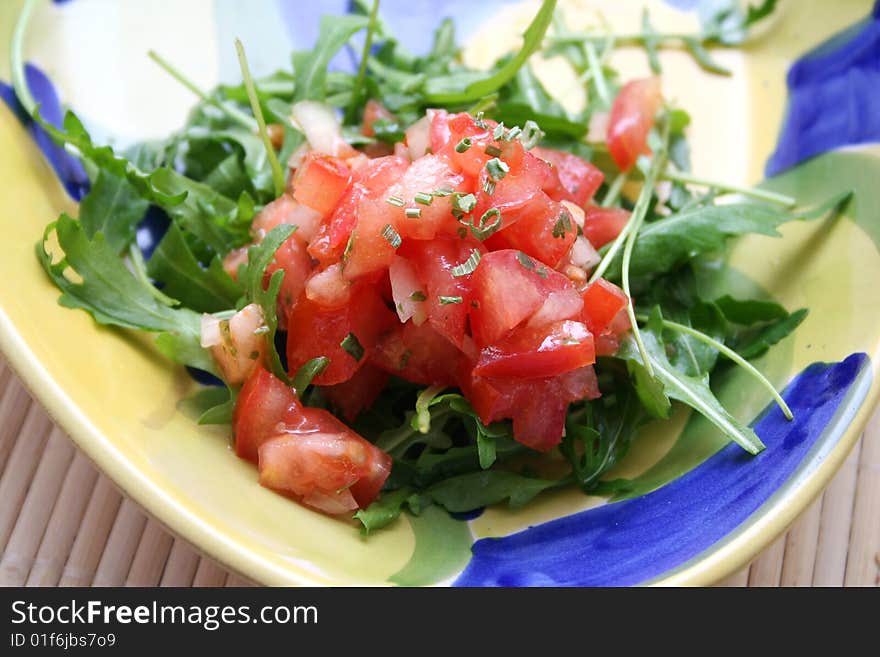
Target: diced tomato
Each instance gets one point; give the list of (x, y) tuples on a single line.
[(602, 302), (537, 406), (547, 233), (516, 196), (320, 181), (603, 225), (434, 262), (378, 175), (358, 393), (448, 130), (408, 291), (631, 119), (579, 178), (371, 248), (420, 355), (374, 111), (260, 407), (323, 463), (315, 331), (426, 175), (538, 353), (286, 210), (608, 342), (508, 288), (293, 258)]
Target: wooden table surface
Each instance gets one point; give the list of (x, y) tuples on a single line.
[(63, 523)]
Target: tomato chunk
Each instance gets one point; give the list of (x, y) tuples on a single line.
[(374, 111), (508, 288), (320, 181), (602, 302), (546, 233), (358, 393), (314, 331), (323, 463), (603, 225), (631, 119), (262, 404), (537, 353), (420, 355), (426, 175), (293, 259), (579, 178)]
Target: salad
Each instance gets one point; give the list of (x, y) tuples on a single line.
[(419, 283)]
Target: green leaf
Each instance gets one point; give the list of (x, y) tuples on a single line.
[(309, 370), (703, 58), (439, 89), (693, 391), (476, 490), (749, 311), (251, 277), (767, 337), (310, 66), (183, 278), (210, 405), (651, 41), (113, 295), (383, 511)]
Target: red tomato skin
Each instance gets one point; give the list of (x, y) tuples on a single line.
[(369, 250), (602, 303), (427, 174), (262, 404), (543, 234), (358, 393), (631, 119), (516, 196), (316, 331), (320, 181), (294, 260), (374, 111), (420, 355), (538, 353), (603, 225), (434, 262), (579, 179), (317, 457), (508, 288)]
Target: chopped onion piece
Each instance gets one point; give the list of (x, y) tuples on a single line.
[(418, 138), (583, 254), (210, 331), (563, 304), (576, 212), (329, 288), (408, 292), (321, 127)]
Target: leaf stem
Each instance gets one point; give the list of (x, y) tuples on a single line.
[(658, 162), (277, 171), (357, 91), (140, 271), (614, 190), (760, 194), (423, 415), (597, 75), (732, 355), (16, 59), (232, 112)]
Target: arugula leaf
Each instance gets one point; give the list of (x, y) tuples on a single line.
[(667, 242), (113, 295), (724, 21), (383, 511), (310, 66), (690, 390), (755, 345), (251, 277), (183, 278), (439, 89), (210, 405), (476, 490), (749, 311)]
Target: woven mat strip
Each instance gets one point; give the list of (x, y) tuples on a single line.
[(62, 523)]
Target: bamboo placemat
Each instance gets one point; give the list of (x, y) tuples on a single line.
[(63, 523)]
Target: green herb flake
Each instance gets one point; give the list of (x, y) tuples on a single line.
[(423, 198), (492, 150), (487, 225), (463, 145), (352, 347), (396, 201), (418, 295), (413, 213), (391, 236), (497, 169), (498, 132), (445, 301), (562, 225), (464, 203), (468, 266)]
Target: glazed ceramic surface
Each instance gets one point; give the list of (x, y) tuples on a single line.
[(801, 111)]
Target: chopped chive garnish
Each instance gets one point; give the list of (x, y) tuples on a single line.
[(513, 133), (424, 198), (443, 191), (445, 301), (530, 264), (463, 145), (494, 151), (395, 201), (488, 224), (349, 245), (531, 135), (464, 203), (562, 225), (468, 266), (462, 232), (497, 169), (498, 132), (352, 346), (489, 187), (418, 295), (413, 213), (391, 235)]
